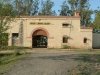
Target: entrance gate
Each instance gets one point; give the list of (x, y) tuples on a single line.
[(39, 39)]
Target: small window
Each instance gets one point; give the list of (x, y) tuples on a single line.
[(65, 24), (15, 39), (85, 40), (65, 40), (15, 35)]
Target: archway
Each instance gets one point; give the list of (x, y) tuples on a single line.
[(39, 39)]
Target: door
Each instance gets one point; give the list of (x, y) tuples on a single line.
[(39, 41)]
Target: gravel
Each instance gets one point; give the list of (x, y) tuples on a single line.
[(44, 64)]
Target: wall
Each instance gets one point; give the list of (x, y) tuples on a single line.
[(55, 30), (86, 33), (14, 28)]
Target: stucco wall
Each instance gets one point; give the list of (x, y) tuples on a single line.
[(14, 28), (55, 31), (86, 33)]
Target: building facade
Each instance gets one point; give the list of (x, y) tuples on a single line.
[(49, 32)]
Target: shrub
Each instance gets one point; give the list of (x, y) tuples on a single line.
[(13, 48), (66, 47)]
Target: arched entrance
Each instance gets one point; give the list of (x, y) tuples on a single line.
[(39, 39)]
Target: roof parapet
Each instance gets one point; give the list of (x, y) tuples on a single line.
[(77, 14)]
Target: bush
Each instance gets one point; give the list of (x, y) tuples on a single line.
[(13, 48), (66, 47)]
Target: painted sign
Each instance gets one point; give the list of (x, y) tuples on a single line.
[(40, 23)]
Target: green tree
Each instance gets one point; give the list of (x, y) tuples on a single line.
[(6, 16), (97, 21), (86, 17), (27, 7), (81, 6), (78, 5), (46, 8), (74, 5), (65, 11)]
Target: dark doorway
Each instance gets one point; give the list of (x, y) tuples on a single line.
[(39, 41), (40, 38)]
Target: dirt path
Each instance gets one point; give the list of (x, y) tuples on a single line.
[(44, 64)]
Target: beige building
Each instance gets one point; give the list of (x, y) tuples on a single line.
[(49, 32)]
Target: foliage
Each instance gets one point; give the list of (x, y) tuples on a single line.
[(66, 47), (86, 17), (26, 7), (69, 7), (3, 40), (46, 8), (6, 16), (65, 11), (33, 7), (14, 48), (85, 12), (78, 5), (97, 21), (7, 61)]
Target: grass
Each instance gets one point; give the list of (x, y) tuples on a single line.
[(14, 47), (7, 61)]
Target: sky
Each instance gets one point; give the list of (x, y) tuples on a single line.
[(95, 4)]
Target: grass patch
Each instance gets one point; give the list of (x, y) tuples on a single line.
[(66, 47), (13, 48), (7, 61)]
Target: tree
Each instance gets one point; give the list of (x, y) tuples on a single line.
[(47, 8), (74, 5), (78, 5), (97, 20), (86, 17), (81, 6), (6, 16), (27, 7), (65, 9)]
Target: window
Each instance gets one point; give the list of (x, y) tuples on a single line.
[(65, 24), (85, 40), (15, 39), (15, 35), (65, 40)]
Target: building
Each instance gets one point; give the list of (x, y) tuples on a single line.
[(49, 32)]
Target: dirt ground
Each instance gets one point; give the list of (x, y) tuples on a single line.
[(44, 64)]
